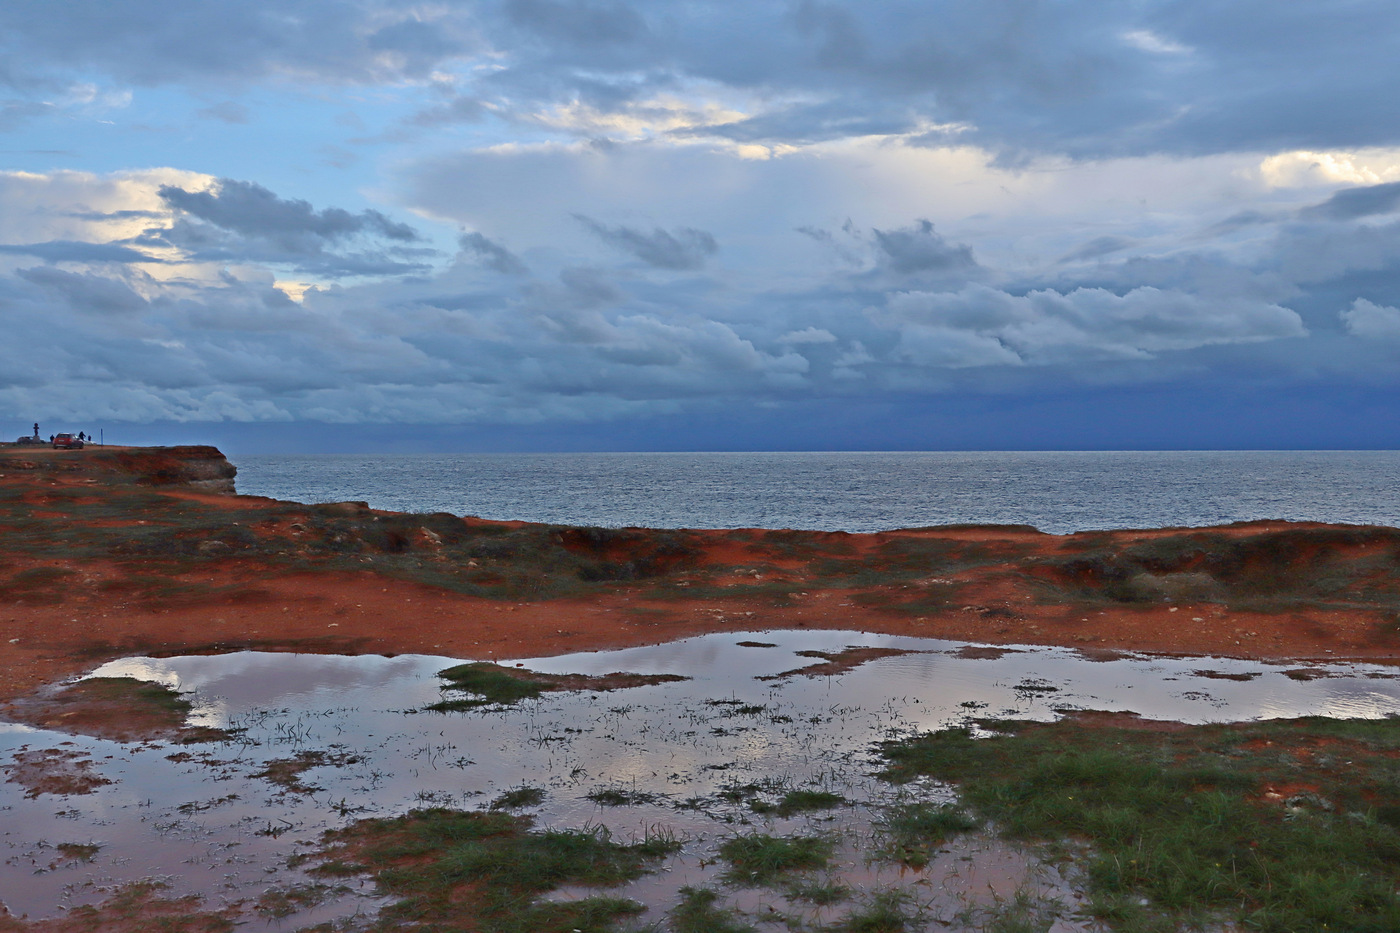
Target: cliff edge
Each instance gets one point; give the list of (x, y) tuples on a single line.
[(195, 467)]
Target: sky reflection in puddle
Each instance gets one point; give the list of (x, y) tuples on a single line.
[(198, 816)]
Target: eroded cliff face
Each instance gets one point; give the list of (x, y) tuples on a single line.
[(196, 467)]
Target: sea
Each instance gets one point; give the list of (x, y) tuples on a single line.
[(1056, 491)]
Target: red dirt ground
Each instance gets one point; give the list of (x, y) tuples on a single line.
[(244, 602)]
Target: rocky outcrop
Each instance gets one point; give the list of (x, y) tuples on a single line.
[(196, 467)]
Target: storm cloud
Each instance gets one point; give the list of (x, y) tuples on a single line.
[(573, 211)]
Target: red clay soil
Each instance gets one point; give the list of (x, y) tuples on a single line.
[(85, 575)]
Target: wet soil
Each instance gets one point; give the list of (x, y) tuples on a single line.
[(56, 771), (116, 708)]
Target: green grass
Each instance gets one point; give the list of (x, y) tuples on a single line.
[(484, 871), (1184, 821), (494, 685), (278, 903), (491, 684), (621, 797), (799, 801), (761, 859), (883, 912), (148, 696), (914, 831), (697, 913), (518, 797)]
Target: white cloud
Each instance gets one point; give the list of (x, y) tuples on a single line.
[(808, 335), (1372, 321), (1304, 168), (980, 326)]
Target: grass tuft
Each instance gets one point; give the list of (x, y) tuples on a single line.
[(698, 913), (915, 830), (760, 859), (484, 871)]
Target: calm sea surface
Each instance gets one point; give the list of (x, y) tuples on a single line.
[(1055, 491)]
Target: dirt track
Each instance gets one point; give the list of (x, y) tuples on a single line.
[(112, 551)]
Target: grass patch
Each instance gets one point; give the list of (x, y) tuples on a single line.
[(915, 830), (1276, 826), (698, 913), (883, 912), (491, 684), (518, 797), (287, 772), (761, 859), (799, 801), (820, 893), (485, 871), (277, 903), (621, 797), (78, 851)]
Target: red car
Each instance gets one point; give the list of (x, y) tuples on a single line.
[(66, 442)]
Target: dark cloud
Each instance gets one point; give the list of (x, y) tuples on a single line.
[(491, 254), (250, 209), (921, 249), (84, 291), (73, 251), (1099, 246), (148, 42), (1351, 203), (1077, 77), (459, 109), (577, 22), (686, 248), (239, 221), (228, 111)]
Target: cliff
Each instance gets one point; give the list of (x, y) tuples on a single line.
[(194, 467)]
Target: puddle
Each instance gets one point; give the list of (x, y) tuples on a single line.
[(348, 738)]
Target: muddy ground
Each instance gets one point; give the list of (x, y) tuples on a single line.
[(111, 551)]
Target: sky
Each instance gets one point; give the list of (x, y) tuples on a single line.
[(361, 225)]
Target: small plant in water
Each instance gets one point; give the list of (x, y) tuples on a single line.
[(914, 831), (799, 801), (519, 797), (759, 859), (484, 871), (698, 913)]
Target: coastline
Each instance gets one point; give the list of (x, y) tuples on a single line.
[(118, 551)]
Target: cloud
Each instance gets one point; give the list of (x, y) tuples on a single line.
[(1372, 321), (1351, 203), (75, 251), (86, 292), (686, 248), (491, 254), (982, 326), (920, 249), (151, 43), (577, 22), (1097, 247), (233, 221), (228, 111), (250, 209), (808, 335)]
